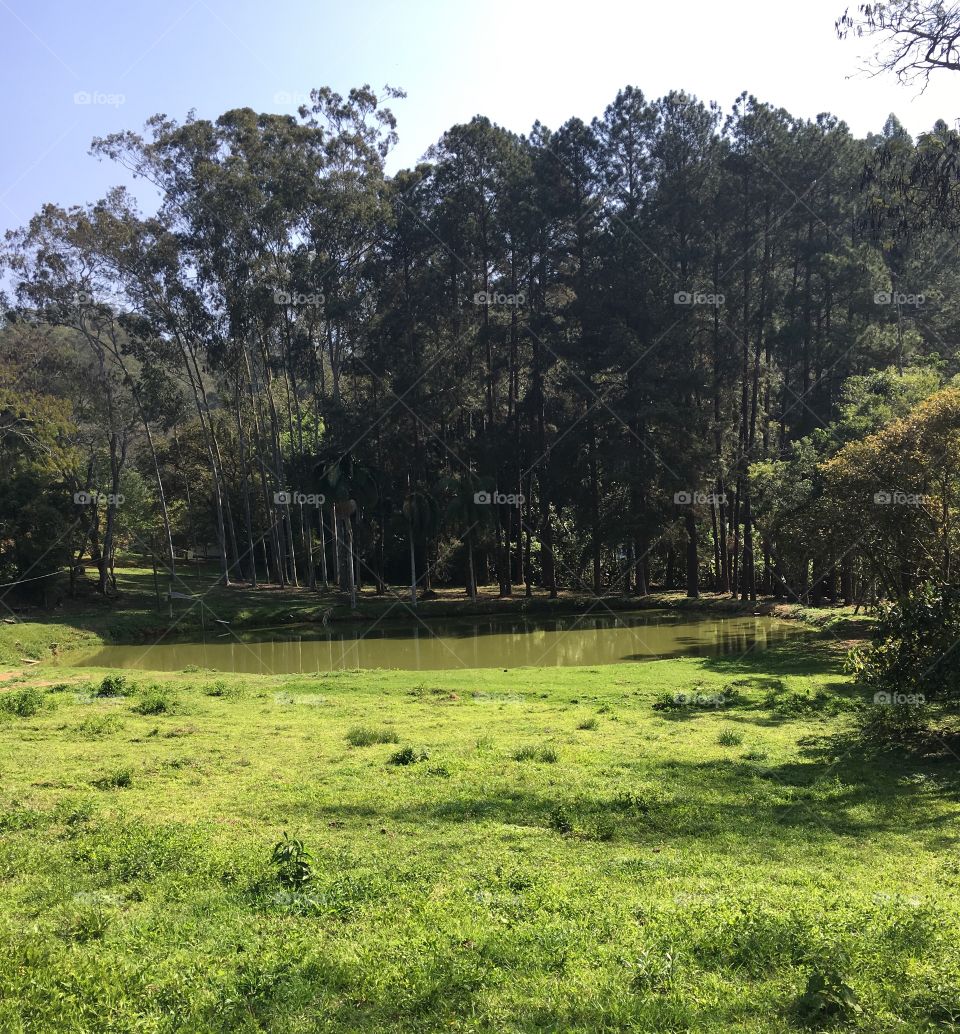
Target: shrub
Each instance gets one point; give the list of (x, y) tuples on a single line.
[(408, 756), (219, 688), (115, 685), (893, 725), (366, 736), (912, 652), (24, 703), (157, 700)]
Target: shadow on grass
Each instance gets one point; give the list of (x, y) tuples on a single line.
[(834, 791)]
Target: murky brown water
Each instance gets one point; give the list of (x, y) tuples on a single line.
[(483, 642)]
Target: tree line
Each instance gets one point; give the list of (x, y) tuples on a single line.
[(604, 356)]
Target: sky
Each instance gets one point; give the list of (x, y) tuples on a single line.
[(70, 71)]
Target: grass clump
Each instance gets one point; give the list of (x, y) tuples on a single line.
[(121, 779), (95, 725), (529, 752), (367, 736), (222, 689), (729, 738)]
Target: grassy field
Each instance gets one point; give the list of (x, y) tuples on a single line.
[(532, 850)]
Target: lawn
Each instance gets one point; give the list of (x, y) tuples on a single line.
[(530, 850)]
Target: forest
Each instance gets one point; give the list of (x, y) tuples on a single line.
[(678, 345), (518, 592)]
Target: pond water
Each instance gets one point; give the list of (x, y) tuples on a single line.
[(481, 642)]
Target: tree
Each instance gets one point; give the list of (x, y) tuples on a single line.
[(917, 37)]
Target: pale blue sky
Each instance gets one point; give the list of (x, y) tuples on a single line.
[(514, 61)]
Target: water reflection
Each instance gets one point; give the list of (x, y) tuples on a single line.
[(484, 642)]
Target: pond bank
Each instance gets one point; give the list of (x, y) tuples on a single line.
[(134, 618)]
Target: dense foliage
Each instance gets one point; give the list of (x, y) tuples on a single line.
[(651, 348), (914, 657)]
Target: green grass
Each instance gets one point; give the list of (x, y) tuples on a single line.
[(681, 869)]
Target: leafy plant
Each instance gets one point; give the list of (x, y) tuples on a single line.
[(220, 688), (99, 725), (293, 862), (893, 725), (88, 922), (560, 819), (828, 998), (408, 756), (652, 970)]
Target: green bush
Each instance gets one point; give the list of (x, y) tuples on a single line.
[(24, 703), (115, 685), (157, 700), (913, 656), (122, 779), (893, 725)]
